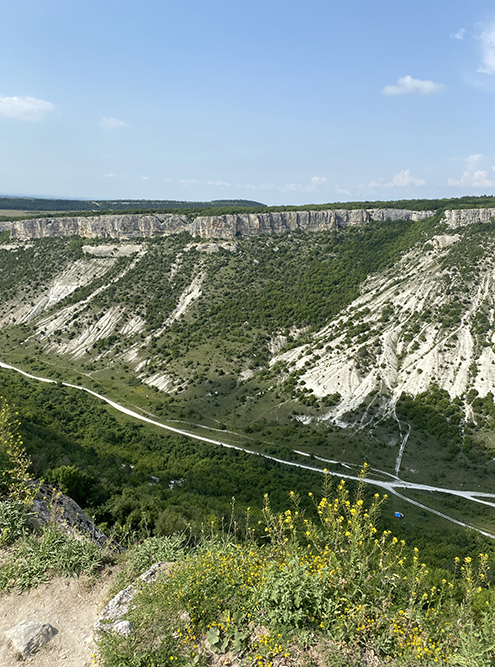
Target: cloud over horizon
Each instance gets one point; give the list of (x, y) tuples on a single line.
[(477, 179), (302, 187), (473, 176), (112, 123), (24, 108), (402, 179), (406, 85)]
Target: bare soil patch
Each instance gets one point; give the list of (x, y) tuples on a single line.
[(72, 606)]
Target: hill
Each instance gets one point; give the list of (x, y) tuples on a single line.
[(167, 382), (39, 204), (351, 343)]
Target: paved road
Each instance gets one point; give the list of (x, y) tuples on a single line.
[(389, 486)]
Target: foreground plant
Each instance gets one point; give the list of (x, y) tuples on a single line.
[(30, 556), (334, 577), (15, 478)]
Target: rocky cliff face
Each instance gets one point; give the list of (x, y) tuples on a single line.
[(227, 227), (252, 224), (460, 218), (111, 226), (381, 214), (221, 227)]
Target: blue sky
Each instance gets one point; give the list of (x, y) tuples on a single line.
[(276, 101)]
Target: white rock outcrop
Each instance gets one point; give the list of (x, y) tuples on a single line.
[(226, 227), (111, 617), (467, 216), (381, 214), (51, 506), (443, 241), (112, 226)]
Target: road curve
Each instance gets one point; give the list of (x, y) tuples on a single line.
[(389, 486)]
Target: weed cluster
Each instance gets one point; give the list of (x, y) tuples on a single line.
[(335, 577), (35, 559), (14, 462), (14, 521)]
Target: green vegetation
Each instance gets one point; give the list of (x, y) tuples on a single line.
[(255, 578), (140, 481), (107, 464), (22, 273), (250, 298), (220, 207), (35, 558), (31, 556), (463, 260), (335, 585), (125, 205), (14, 464), (269, 285), (322, 575)]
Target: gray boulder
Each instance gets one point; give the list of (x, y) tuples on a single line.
[(29, 636), (51, 505)]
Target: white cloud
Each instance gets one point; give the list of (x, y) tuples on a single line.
[(24, 108), (487, 38), (459, 34), (472, 161), (222, 184), (262, 186), (478, 179), (315, 182), (144, 178), (194, 181), (406, 85), (112, 123), (473, 176), (110, 175), (402, 179)]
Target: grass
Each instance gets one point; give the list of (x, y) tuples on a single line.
[(36, 558), (298, 586), (278, 437), (477, 514), (328, 585), (20, 213), (14, 522)]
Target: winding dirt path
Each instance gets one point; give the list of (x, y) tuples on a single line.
[(389, 486)]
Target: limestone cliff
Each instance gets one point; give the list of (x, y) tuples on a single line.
[(252, 224), (223, 227), (381, 214), (462, 217), (111, 226), (227, 227)]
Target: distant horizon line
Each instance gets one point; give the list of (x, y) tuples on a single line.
[(235, 201), (93, 199)]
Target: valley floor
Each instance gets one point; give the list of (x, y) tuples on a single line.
[(374, 477)]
